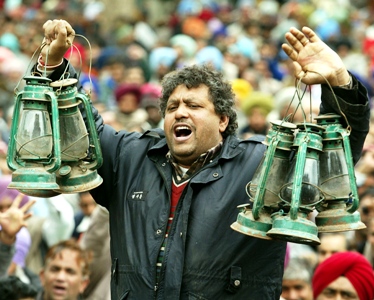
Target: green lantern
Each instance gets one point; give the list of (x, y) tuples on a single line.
[(269, 177), (301, 192), (50, 150), (338, 211), (80, 148), (34, 145)]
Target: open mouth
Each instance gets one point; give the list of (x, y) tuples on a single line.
[(182, 132), (59, 290)]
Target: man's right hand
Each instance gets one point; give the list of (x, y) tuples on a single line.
[(13, 219), (58, 38), (314, 61)]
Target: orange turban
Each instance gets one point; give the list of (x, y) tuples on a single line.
[(352, 265)]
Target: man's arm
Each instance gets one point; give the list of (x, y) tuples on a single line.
[(97, 240), (6, 255), (354, 104)]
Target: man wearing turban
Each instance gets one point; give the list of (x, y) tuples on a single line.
[(348, 274)]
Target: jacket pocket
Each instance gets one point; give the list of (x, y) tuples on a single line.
[(235, 278), (116, 290), (120, 289)]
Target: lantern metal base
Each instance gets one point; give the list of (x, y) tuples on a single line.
[(301, 230), (336, 218), (247, 225), (35, 182), (77, 178)]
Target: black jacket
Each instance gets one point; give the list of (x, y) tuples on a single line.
[(204, 257)]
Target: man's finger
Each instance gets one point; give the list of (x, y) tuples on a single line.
[(291, 53), (17, 200), (26, 216), (27, 206), (299, 73), (301, 37), (46, 24), (311, 34), (60, 33), (49, 29), (293, 38)]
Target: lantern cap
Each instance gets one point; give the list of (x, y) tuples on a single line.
[(64, 82), (328, 118), (310, 127), (283, 132), (37, 80), (283, 124)]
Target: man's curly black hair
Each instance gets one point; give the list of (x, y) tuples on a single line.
[(220, 91), (12, 288)]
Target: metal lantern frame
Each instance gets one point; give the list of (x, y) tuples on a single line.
[(78, 173), (338, 212), (36, 176), (287, 219), (257, 221), (294, 225)]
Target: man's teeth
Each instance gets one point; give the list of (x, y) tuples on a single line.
[(182, 131), (182, 128)]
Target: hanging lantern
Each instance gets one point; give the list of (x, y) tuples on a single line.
[(50, 150), (301, 192), (338, 211), (34, 149), (80, 149), (264, 188)]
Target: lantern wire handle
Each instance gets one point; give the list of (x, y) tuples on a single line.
[(333, 94), (16, 91), (81, 62), (80, 58), (289, 117), (90, 62), (300, 104)]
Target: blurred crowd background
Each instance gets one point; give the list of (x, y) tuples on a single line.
[(123, 49)]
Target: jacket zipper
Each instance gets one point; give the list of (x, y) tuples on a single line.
[(156, 285)]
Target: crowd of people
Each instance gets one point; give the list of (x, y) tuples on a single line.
[(155, 227)]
